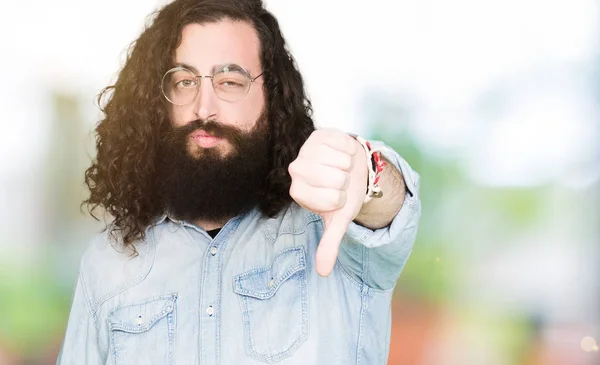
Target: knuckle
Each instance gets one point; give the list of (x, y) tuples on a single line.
[(342, 180), (330, 204), (341, 201), (294, 168), (353, 145), (334, 200), (346, 162), (347, 180)]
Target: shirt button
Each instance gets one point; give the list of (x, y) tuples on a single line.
[(210, 311), (213, 251), (271, 283)]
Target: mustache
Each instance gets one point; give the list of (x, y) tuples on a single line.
[(220, 130)]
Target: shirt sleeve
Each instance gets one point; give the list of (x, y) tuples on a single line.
[(377, 257), (80, 344)]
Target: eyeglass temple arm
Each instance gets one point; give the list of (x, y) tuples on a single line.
[(254, 78)]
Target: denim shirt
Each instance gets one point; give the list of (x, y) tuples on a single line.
[(249, 296)]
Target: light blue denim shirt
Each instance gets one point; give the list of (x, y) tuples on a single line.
[(249, 296)]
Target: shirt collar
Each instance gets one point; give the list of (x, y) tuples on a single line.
[(167, 215)]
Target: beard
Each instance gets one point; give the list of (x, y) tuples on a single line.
[(206, 184)]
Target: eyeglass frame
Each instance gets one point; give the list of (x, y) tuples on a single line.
[(199, 78)]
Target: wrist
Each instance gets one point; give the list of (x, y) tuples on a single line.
[(375, 165)]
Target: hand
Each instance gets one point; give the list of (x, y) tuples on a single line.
[(329, 178)]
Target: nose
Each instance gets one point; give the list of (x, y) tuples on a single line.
[(205, 105)]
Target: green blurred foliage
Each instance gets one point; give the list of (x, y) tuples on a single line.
[(35, 306), (457, 214), (460, 219)]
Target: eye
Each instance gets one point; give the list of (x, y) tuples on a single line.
[(230, 83), (187, 83)]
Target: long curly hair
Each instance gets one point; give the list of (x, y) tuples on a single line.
[(123, 177)]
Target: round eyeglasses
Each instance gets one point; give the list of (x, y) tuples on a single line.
[(231, 83)]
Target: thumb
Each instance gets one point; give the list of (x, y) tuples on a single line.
[(329, 246)]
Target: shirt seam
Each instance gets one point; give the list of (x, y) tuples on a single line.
[(149, 262), (87, 299), (363, 309)]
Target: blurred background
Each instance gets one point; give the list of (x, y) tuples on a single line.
[(495, 103)]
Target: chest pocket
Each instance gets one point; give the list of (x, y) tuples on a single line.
[(142, 333), (274, 306)]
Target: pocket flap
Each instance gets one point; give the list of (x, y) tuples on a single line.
[(140, 317), (262, 283)]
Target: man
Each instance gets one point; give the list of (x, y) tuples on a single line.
[(240, 234)]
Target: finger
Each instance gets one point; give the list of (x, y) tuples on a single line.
[(317, 200), (319, 176), (341, 142), (317, 137), (329, 156), (329, 245)]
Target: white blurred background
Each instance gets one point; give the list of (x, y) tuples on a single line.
[(495, 103)]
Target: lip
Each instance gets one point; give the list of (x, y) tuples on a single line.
[(205, 139)]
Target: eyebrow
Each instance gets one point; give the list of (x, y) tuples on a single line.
[(185, 65), (216, 68)]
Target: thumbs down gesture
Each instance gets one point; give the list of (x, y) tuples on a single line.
[(329, 178)]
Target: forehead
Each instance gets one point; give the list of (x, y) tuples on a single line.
[(225, 42)]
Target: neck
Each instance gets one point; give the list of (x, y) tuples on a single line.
[(209, 225)]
